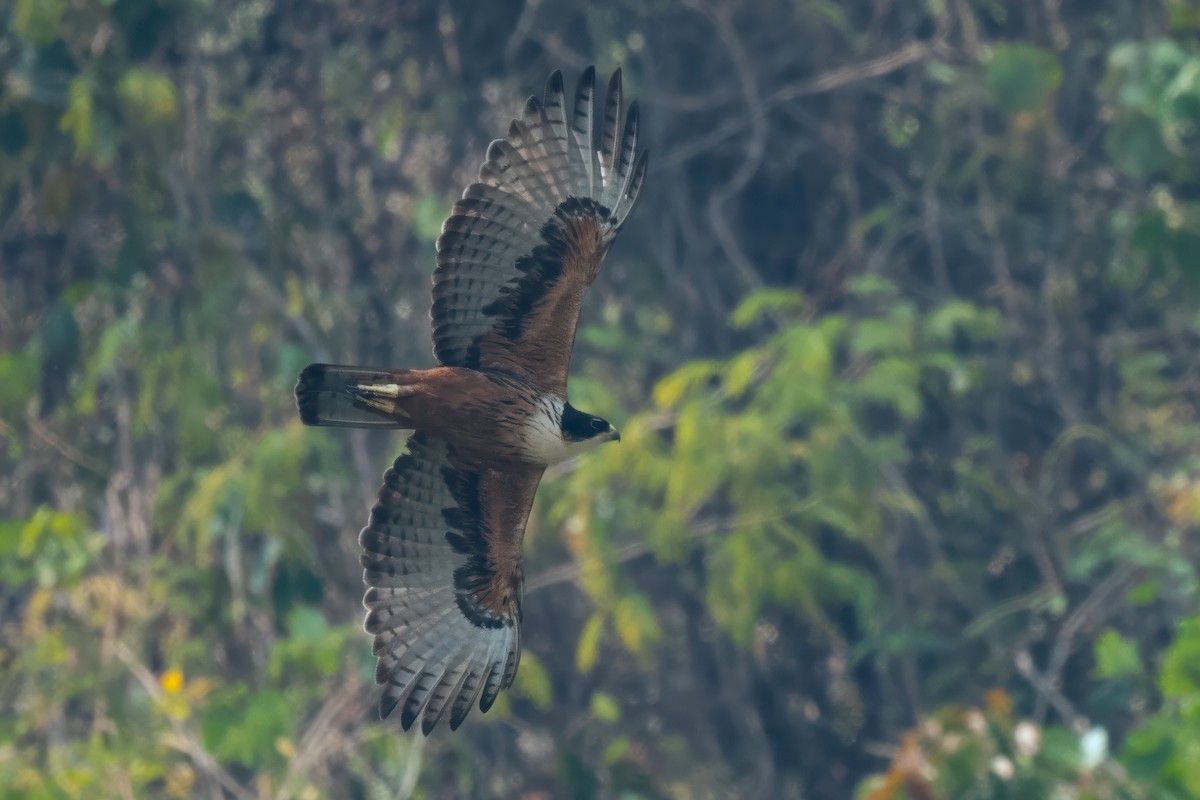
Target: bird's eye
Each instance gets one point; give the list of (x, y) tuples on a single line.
[(599, 425)]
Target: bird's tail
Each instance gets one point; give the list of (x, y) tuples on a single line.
[(353, 397)]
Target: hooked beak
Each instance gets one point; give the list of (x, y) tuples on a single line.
[(616, 435)]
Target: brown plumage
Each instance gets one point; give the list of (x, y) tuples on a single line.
[(442, 550)]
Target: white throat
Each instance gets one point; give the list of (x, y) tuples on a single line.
[(544, 443)]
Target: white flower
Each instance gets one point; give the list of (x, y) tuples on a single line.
[(1093, 748), (1003, 768), (1028, 738)]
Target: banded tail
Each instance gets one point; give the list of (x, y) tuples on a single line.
[(330, 395)]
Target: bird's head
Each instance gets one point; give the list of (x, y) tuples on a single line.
[(585, 431)]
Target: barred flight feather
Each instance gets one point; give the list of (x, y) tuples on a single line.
[(441, 558), (500, 229)]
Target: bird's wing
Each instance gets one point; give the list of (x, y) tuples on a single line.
[(526, 241), (442, 559)]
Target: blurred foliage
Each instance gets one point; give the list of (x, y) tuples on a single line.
[(901, 344)]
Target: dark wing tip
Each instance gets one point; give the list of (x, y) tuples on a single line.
[(495, 150), (387, 704), (554, 84), (409, 715), (614, 82), (634, 192)]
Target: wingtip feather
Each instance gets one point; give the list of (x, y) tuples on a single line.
[(532, 107), (611, 135), (554, 84)]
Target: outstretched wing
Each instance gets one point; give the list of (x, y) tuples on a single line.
[(442, 559), (524, 243)]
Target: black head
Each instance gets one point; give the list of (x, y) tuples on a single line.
[(580, 427)]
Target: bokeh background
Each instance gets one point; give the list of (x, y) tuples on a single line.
[(902, 342)]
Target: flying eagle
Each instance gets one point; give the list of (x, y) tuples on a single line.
[(442, 548)]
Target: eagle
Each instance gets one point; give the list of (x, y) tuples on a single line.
[(442, 550)]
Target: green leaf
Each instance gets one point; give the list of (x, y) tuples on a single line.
[(149, 94), (1020, 76), (941, 72), (588, 649), (38, 21), (764, 302), (1144, 593), (892, 381), (609, 338), (1116, 656), (635, 623), (18, 381), (698, 467), (244, 730), (741, 372), (1181, 104), (1180, 677), (307, 624), (900, 127), (618, 748), (77, 120), (807, 356), (1135, 144), (683, 382), (605, 707), (10, 536), (1150, 751), (889, 335), (533, 682), (868, 285), (311, 646), (943, 322), (1060, 749), (1184, 15), (46, 524), (1140, 71)]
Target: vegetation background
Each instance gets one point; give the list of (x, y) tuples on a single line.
[(902, 342)]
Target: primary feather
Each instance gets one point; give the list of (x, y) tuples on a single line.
[(525, 184)]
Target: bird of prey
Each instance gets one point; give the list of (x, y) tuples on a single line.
[(442, 548)]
